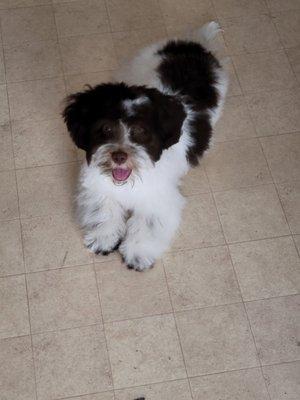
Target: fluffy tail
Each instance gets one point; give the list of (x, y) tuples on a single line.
[(206, 35)]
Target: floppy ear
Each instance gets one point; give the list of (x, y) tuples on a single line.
[(76, 118), (171, 115)]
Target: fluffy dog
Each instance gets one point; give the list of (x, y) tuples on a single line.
[(141, 135)]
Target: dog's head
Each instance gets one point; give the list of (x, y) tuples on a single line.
[(123, 128)]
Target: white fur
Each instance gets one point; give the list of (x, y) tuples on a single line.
[(152, 198)]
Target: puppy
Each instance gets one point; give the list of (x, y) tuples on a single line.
[(141, 135)]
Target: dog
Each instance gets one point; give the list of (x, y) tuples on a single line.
[(141, 134)]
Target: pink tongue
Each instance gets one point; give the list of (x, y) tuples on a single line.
[(121, 174)]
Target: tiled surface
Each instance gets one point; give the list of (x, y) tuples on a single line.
[(76, 360), (218, 316), (138, 294), (17, 371), (201, 278), (246, 385), (14, 310), (216, 339), (275, 325), (283, 380), (144, 350), (63, 298)]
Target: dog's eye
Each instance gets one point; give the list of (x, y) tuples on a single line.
[(138, 130), (106, 129)]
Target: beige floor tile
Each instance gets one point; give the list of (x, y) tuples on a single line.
[(234, 88), (216, 339), (283, 5), (62, 299), (264, 71), (195, 182), (2, 69), (283, 155), (46, 190), (283, 381), (128, 43), (137, 294), (79, 82), (98, 396), (294, 58), (33, 61), (4, 4), (76, 360), (134, 14), (297, 242), (235, 122), (289, 194), (36, 100), (11, 256), (99, 258), (267, 268), (245, 216), (275, 112), (288, 27), (241, 163), (90, 53), (47, 246), (27, 3), (191, 12), (176, 390), (81, 17), (199, 215), (38, 143), (235, 385), (14, 311), (250, 34), (239, 8), (17, 374), (143, 351), (201, 278), (32, 24), (275, 325), (4, 113), (6, 150), (8, 196)]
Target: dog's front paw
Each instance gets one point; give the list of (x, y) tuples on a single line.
[(101, 244), (135, 259)]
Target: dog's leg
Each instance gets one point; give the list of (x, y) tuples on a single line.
[(148, 236), (103, 224)]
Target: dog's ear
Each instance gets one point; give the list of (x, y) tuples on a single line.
[(76, 118), (171, 115)]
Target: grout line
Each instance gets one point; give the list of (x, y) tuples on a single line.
[(22, 244), (251, 118), (275, 184), (112, 38), (177, 329), (104, 330), (83, 396), (20, 227), (240, 291), (270, 172), (284, 48)]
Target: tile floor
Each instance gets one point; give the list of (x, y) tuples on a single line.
[(217, 317)]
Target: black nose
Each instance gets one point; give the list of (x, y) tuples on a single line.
[(119, 157)]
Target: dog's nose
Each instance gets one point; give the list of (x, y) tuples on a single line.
[(119, 157)]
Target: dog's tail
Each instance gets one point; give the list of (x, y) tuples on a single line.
[(206, 35)]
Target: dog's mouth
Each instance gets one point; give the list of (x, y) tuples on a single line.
[(121, 175)]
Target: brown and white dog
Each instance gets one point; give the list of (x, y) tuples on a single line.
[(141, 135)]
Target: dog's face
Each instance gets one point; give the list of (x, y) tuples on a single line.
[(123, 129)]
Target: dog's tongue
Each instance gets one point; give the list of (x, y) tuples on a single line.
[(121, 174)]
